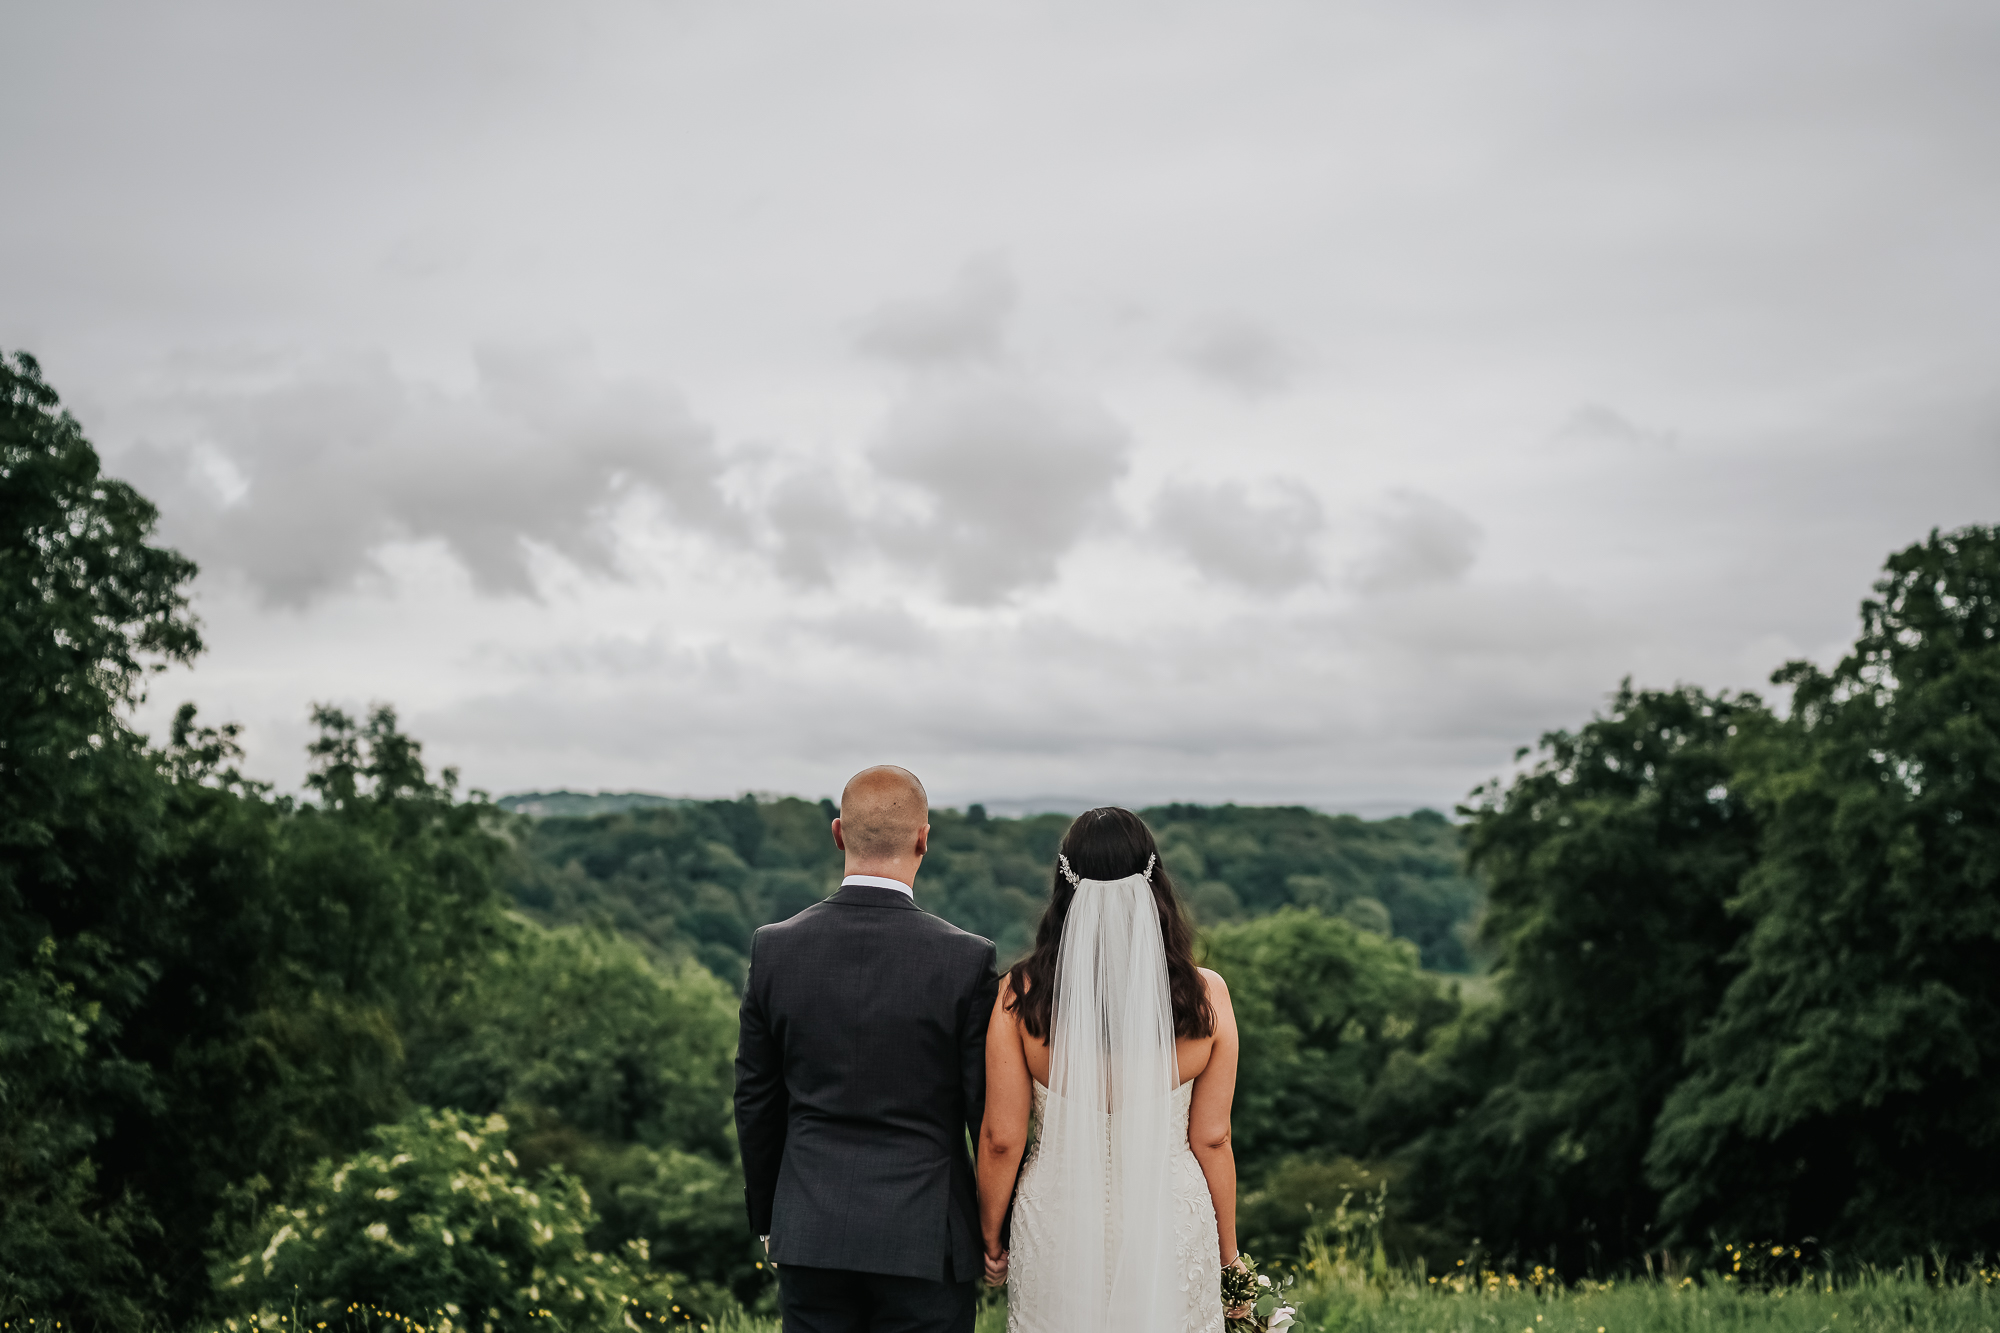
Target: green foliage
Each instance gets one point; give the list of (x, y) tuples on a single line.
[(1404, 876), (1609, 864), (581, 805), (686, 1207), (584, 1027), (1747, 981), (435, 1223), (1466, 1300), (1847, 1087), (299, 944), (58, 1240), (692, 879), (1322, 1007), (616, 1070), (90, 608), (1307, 1200)]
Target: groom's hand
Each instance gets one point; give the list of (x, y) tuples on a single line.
[(996, 1269)]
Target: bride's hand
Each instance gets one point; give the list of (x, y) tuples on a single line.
[(996, 1269)]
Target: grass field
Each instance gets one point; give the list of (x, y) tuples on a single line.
[(1335, 1295), (1893, 1302)]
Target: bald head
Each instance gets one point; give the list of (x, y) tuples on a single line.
[(884, 811)]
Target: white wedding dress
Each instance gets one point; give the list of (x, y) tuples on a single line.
[(1113, 1230), (1195, 1272)]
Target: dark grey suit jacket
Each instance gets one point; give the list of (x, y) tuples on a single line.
[(860, 1070)]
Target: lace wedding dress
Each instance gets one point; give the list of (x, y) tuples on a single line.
[(1114, 1231), (1194, 1271)]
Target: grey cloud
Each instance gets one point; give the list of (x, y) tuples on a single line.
[(1784, 238), (1400, 701), (297, 485), (889, 630), (1010, 473), (816, 528), (965, 323), (1242, 356), (1594, 425), (1003, 470), (1421, 540), (1265, 546)]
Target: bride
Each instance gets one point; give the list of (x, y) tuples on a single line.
[(1110, 1065)]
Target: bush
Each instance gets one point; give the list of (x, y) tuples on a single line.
[(436, 1224), (1322, 1007)]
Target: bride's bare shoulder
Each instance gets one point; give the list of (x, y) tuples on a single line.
[(1217, 988)]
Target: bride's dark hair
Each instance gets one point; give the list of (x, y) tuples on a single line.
[(1110, 843)]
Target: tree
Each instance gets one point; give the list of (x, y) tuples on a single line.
[(91, 608), (1321, 1006), (617, 1071), (62, 1245), (1849, 1086), (581, 1025), (300, 944), (1609, 865)]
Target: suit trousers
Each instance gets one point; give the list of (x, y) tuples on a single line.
[(839, 1300)]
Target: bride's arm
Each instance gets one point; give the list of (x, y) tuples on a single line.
[(1208, 1116), (1004, 1130)]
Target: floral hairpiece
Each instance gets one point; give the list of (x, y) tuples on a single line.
[(1075, 880)]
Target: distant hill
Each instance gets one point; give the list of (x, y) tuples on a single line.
[(693, 879), (581, 805)]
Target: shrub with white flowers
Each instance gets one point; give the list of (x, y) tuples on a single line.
[(436, 1224)]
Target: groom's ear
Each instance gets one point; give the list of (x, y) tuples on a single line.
[(923, 839), (838, 841)]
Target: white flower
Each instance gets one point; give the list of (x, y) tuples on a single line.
[(285, 1233), (1281, 1319), (1263, 1281)]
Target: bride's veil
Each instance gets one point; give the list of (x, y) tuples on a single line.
[(1107, 1125)]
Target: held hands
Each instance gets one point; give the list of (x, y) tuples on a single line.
[(996, 1268)]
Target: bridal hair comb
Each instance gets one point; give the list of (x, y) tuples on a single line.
[(1062, 864)]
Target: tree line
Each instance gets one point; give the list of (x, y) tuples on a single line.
[(390, 1043), (692, 879)]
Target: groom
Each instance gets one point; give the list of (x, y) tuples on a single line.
[(859, 1075)]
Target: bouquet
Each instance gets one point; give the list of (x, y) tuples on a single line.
[(1250, 1302)]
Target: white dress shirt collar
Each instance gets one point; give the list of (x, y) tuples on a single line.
[(878, 882)]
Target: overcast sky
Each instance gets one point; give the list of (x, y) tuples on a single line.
[(1265, 401)]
